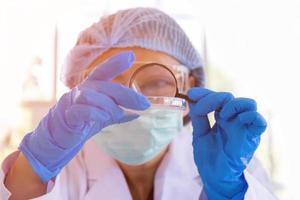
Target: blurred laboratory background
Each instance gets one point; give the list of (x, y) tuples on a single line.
[(250, 48)]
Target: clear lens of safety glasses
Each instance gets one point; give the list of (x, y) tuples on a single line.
[(154, 79)]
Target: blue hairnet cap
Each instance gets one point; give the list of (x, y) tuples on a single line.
[(147, 28)]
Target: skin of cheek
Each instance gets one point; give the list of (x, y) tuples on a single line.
[(191, 83), (187, 110)]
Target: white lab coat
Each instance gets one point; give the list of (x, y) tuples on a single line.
[(94, 175)]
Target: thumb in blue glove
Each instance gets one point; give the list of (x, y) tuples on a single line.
[(223, 151), (78, 115)]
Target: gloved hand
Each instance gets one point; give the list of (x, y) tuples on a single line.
[(80, 114), (223, 151)]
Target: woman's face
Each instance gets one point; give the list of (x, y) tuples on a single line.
[(141, 55)]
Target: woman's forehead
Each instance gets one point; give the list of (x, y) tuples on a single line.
[(141, 55)]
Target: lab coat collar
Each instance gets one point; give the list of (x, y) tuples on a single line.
[(177, 176), (177, 171)]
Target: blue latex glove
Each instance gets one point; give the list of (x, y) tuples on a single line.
[(223, 151), (80, 114)]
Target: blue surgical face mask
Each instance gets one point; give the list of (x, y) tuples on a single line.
[(140, 140)]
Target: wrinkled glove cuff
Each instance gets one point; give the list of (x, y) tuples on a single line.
[(218, 192), (43, 172)]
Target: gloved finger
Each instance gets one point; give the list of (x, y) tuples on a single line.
[(200, 123), (79, 114), (197, 93), (254, 121), (99, 100), (122, 95), (212, 102), (236, 106), (112, 67)]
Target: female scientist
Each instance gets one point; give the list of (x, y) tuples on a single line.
[(119, 134)]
